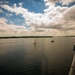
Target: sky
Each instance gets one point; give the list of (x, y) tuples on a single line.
[(37, 17)]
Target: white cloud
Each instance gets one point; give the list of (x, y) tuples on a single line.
[(11, 22), (69, 14), (62, 1), (67, 1), (6, 2), (51, 1), (11, 29), (54, 20), (20, 4), (1, 11), (9, 14), (3, 21)]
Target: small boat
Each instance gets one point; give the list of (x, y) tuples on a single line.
[(52, 41), (34, 41)]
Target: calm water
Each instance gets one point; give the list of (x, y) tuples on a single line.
[(22, 57)]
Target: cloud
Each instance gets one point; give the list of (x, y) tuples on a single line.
[(52, 1), (1, 10), (69, 14), (6, 2), (3, 21), (54, 19), (67, 1), (62, 1), (9, 14), (11, 29), (20, 4)]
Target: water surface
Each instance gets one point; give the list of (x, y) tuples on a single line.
[(22, 57)]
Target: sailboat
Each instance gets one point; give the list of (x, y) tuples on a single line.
[(34, 41)]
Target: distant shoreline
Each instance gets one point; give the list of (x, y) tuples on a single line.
[(32, 37), (26, 37)]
